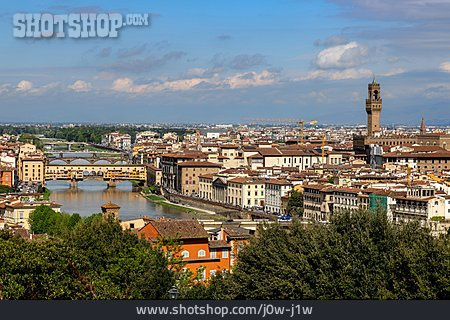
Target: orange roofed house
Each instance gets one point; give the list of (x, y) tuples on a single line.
[(196, 248)]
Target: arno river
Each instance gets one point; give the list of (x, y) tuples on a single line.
[(91, 194)]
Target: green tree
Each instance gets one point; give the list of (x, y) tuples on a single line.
[(295, 203), (97, 260), (6, 189), (44, 219), (41, 270), (358, 256), (121, 265)]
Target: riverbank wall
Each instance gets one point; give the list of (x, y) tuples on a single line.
[(228, 211)]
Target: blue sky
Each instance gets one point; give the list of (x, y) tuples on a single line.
[(223, 61)]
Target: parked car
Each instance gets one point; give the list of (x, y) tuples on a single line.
[(284, 218)]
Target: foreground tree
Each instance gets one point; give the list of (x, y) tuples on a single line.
[(97, 260), (121, 265), (41, 270), (358, 256)]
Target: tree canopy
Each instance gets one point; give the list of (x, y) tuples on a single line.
[(96, 260), (295, 203), (44, 219), (358, 256)]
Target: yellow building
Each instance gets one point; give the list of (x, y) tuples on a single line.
[(246, 192), (19, 212), (31, 164), (32, 168)]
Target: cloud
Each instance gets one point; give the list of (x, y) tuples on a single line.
[(224, 37), (105, 52), (246, 61), (80, 86), (436, 91), (411, 10), (350, 73), (127, 85), (331, 41), (5, 88), (342, 56), (145, 64), (445, 66), (24, 86), (196, 72), (235, 81), (130, 52), (251, 79), (393, 72)]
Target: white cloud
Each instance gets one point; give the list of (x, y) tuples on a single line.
[(338, 75), (5, 88), (437, 90), (240, 80), (123, 85), (80, 86), (24, 86), (196, 72), (251, 79), (393, 72), (445, 66), (342, 56)]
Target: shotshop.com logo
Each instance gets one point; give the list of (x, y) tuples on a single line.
[(74, 25)]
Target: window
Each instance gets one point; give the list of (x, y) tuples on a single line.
[(201, 253), (224, 254), (185, 254), (212, 273), (202, 273), (212, 254)]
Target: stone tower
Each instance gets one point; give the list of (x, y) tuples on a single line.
[(423, 129), (373, 108), (110, 210)]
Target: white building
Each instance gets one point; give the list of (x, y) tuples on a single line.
[(117, 140), (275, 189)]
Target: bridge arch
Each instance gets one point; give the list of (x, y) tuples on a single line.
[(57, 161), (80, 161), (102, 161)]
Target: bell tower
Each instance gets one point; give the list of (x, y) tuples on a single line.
[(373, 108)]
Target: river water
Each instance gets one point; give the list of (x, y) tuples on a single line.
[(90, 195)]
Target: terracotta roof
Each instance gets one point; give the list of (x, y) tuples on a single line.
[(237, 232), (184, 229), (206, 176), (269, 152), (214, 244), (256, 156), (244, 180), (278, 181), (229, 146), (199, 164), (110, 205), (190, 155)]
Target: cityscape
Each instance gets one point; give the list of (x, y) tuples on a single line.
[(223, 166)]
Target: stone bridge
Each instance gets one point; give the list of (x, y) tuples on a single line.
[(93, 158), (111, 173)]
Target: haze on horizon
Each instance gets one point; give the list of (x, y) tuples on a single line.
[(224, 61)]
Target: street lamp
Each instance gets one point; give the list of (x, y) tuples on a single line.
[(173, 293)]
